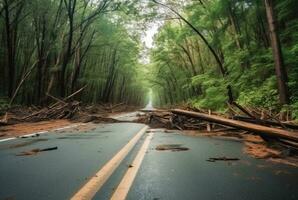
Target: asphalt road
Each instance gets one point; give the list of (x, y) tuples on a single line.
[(167, 175), (58, 174)]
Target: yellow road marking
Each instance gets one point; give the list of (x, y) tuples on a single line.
[(89, 190), (126, 183)]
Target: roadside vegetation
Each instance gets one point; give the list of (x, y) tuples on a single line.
[(209, 54), (58, 47), (238, 52)]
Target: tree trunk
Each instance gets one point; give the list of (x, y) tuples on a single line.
[(70, 5), (261, 130), (280, 69), (9, 48)]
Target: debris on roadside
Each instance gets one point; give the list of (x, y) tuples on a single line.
[(2, 135), (262, 130), (263, 138), (64, 109), (29, 136), (36, 151), (171, 147), (21, 129)]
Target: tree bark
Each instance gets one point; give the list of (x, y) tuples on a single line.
[(9, 48), (70, 6), (262, 130), (280, 69)]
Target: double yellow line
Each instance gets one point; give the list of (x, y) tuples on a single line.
[(88, 191)]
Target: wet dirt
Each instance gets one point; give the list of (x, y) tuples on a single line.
[(27, 128)]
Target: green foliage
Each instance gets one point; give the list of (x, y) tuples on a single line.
[(238, 31), (294, 109), (265, 96), (93, 44), (100, 47), (214, 96)]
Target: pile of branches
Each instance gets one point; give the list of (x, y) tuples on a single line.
[(189, 120), (168, 120), (72, 110), (60, 110)]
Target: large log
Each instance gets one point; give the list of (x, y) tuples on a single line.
[(262, 130), (266, 122)]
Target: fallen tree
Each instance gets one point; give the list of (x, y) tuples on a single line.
[(259, 129), (266, 122)]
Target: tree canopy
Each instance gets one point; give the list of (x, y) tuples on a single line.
[(185, 69), (205, 53)]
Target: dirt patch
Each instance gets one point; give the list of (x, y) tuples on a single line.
[(261, 151), (256, 147), (27, 128), (171, 147)]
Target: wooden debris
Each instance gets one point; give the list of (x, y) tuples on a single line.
[(36, 151), (64, 109), (222, 159), (266, 122), (262, 130), (171, 147), (166, 119), (59, 111)]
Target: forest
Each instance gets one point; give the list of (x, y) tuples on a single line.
[(57, 47), (206, 53)]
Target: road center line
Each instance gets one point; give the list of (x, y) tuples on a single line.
[(127, 181), (88, 191)]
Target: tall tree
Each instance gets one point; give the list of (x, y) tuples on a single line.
[(280, 69), (12, 14)]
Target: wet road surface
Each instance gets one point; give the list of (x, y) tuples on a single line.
[(58, 174), (188, 175), (164, 175)]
